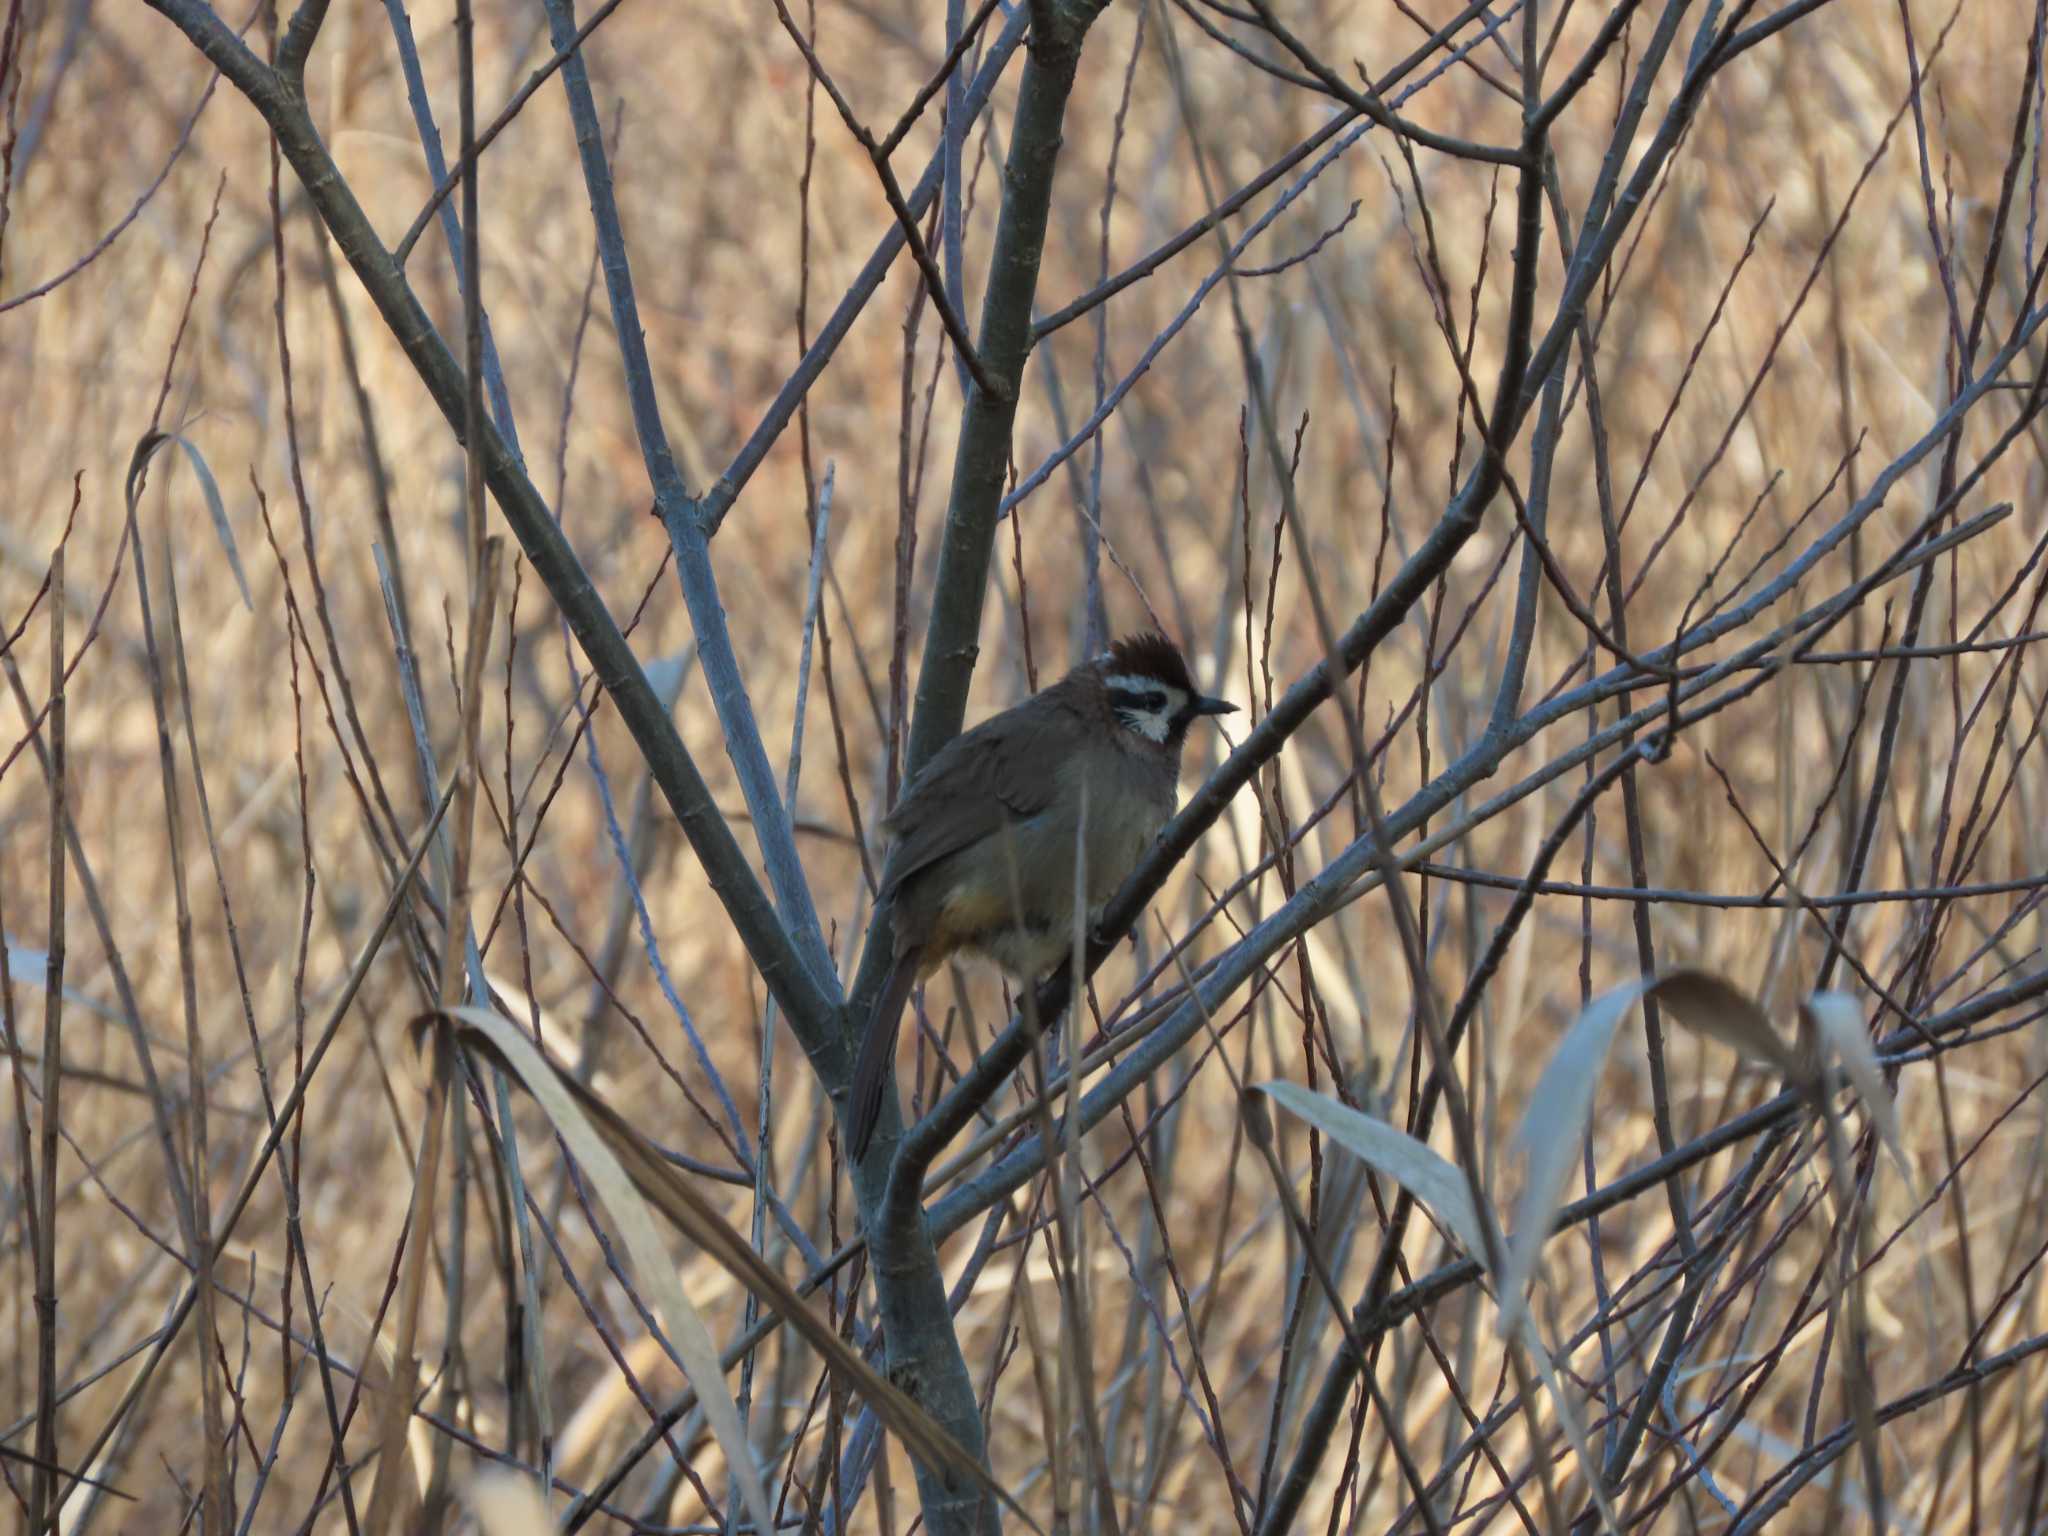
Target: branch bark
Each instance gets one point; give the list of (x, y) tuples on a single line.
[(923, 1347), (678, 512), (283, 107)]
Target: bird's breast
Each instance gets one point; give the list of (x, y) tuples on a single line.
[(1127, 800)]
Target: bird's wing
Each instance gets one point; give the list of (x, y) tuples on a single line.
[(973, 784)]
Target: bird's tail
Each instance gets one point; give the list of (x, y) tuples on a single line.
[(874, 1067)]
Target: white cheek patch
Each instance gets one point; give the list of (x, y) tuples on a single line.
[(1147, 724)]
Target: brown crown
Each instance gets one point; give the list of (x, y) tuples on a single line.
[(1151, 655)]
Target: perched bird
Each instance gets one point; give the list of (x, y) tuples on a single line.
[(985, 835)]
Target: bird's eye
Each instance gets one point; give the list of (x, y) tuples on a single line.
[(1149, 701)]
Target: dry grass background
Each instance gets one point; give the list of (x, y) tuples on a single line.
[(1190, 1268)]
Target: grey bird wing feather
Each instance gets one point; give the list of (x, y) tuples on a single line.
[(965, 793)]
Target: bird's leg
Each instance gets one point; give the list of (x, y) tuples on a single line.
[(1051, 1033)]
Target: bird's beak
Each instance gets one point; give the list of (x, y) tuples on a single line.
[(1214, 707)]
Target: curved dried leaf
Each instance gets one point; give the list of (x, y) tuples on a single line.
[(689, 1337), (1707, 1005), (1570, 1420), (669, 1191), (1548, 1138), (1430, 1178), (1836, 1019), (209, 488)]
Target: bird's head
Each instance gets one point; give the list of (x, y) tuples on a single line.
[(1151, 691)]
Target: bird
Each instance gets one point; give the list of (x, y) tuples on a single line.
[(983, 837)]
